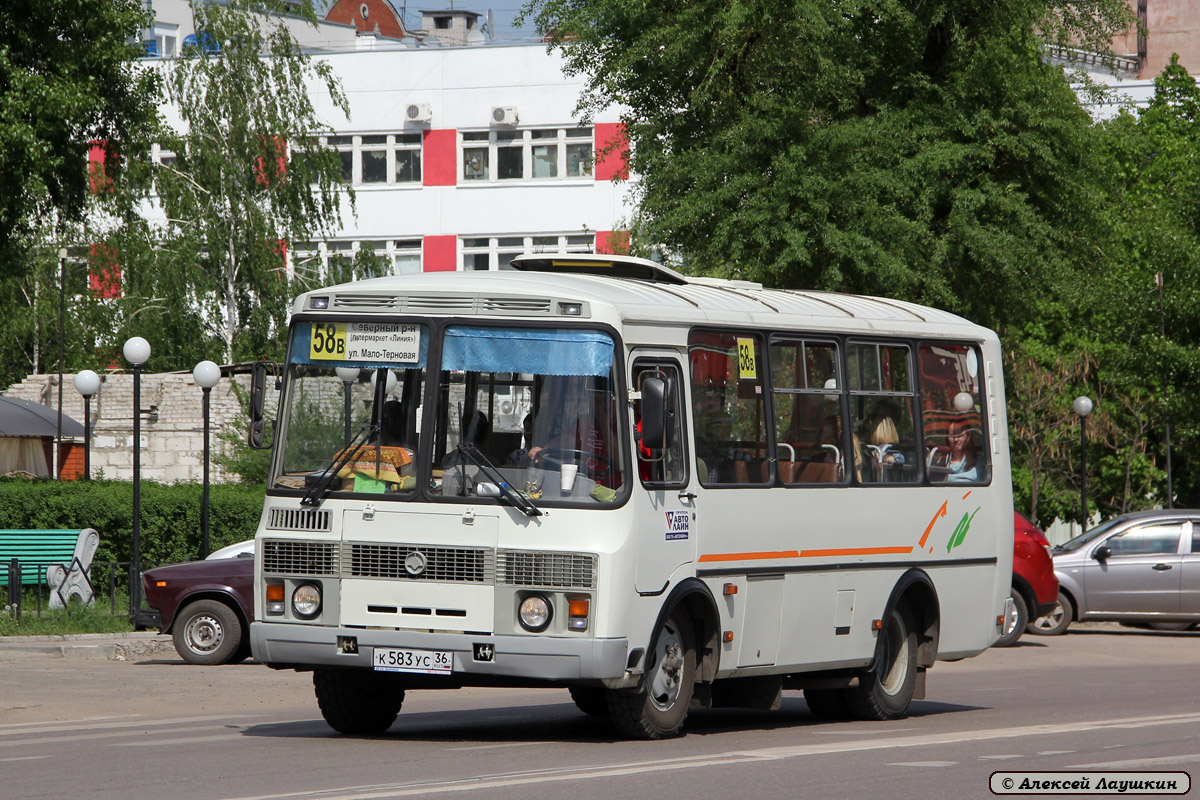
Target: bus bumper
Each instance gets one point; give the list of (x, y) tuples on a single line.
[(532, 657)]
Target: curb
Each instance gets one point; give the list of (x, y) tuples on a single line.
[(91, 646)]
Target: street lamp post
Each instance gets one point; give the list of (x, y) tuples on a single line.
[(207, 375), (137, 352), (1083, 406), (87, 383)]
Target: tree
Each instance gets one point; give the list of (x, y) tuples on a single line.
[(67, 83), (924, 151), (245, 175)]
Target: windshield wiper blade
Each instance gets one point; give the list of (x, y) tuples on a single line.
[(320, 490), (519, 501)]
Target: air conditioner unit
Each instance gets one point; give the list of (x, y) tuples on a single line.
[(504, 115), (418, 112)]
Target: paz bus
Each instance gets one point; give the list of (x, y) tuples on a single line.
[(653, 490)]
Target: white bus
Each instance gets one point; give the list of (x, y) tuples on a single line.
[(654, 490)]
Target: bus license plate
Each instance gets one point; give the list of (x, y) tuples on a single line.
[(432, 662)]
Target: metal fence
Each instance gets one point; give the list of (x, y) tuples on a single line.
[(111, 583)]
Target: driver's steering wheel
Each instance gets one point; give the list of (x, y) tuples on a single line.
[(591, 464)]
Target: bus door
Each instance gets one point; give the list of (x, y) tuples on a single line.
[(666, 511)]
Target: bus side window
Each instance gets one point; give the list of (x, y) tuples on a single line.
[(727, 401)]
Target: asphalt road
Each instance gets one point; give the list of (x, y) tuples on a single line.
[(1100, 698)]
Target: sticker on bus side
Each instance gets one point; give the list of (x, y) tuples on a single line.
[(677, 524), (747, 366), (365, 341)]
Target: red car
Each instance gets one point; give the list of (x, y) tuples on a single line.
[(206, 606), (1034, 585)]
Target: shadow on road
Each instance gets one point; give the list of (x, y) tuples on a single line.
[(562, 722)]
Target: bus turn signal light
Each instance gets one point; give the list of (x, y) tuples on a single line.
[(727, 637), (730, 588), (577, 614), (274, 598)]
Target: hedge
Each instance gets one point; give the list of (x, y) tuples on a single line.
[(170, 528)]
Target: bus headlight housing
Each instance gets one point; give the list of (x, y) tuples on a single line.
[(306, 600), (534, 613)]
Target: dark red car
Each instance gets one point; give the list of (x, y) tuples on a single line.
[(206, 606), (1034, 585)]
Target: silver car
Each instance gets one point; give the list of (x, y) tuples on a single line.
[(1141, 568)]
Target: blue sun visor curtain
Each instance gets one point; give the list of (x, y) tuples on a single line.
[(539, 351), (369, 345)]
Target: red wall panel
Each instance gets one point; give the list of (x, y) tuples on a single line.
[(612, 151), (438, 162), (440, 253)]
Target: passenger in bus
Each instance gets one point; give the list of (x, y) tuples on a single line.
[(589, 439), (963, 465)]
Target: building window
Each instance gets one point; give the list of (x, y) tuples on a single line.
[(532, 155), (497, 253), (407, 152), (335, 261), (373, 159), (381, 158)]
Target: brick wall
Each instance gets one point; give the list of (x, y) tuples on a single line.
[(172, 423)]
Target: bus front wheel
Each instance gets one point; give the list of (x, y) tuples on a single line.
[(357, 701), (886, 689), (657, 710)]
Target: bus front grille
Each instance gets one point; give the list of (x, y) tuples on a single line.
[(548, 569), (299, 519), (285, 557), (419, 562)]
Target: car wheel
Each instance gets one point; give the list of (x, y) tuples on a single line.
[(886, 689), (1017, 620), (657, 709), (1171, 626), (1056, 622), (357, 701), (207, 632)]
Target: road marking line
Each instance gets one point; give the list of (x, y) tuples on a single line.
[(83, 737), (1001, 757), (24, 758), (496, 746), (61, 721), (1134, 763), (1054, 752), (46, 728), (554, 775), (159, 742), (922, 763)]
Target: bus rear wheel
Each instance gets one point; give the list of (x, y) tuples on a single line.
[(886, 689), (357, 701), (657, 710)]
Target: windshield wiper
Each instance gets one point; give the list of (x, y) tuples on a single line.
[(519, 501), (321, 489)]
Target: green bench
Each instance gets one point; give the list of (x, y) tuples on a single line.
[(59, 558)]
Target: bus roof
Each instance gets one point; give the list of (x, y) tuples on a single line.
[(626, 290)]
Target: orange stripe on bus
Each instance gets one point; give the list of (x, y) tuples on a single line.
[(856, 551), (749, 556)]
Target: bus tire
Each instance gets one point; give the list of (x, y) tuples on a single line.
[(657, 710), (828, 705), (591, 700), (357, 701), (886, 689)]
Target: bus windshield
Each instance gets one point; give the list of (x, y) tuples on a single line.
[(535, 405)]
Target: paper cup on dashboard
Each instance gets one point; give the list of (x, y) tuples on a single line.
[(567, 477)]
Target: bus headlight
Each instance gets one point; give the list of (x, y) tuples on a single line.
[(534, 613), (306, 600)]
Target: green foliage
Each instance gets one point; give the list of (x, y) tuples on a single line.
[(245, 175), (170, 529), (68, 78), (76, 619)]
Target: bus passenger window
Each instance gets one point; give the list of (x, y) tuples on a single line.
[(881, 409), (952, 414), (727, 404), (806, 394)]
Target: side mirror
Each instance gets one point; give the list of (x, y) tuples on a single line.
[(258, 388), (654, 413), (1102, 553)]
